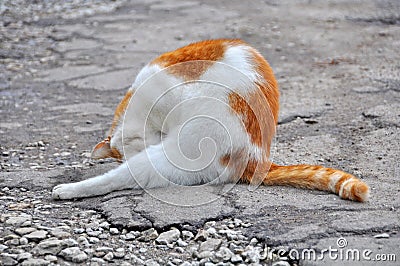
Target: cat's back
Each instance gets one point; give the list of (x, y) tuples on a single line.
[(222, 68), (206, 59)]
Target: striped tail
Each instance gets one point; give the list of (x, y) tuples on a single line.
[(345, 185)]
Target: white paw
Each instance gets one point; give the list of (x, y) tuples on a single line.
[(65, 191)]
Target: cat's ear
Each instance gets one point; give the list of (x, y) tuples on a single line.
[(102, 149)]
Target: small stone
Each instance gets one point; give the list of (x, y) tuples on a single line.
[(3, 247), (114, 231), (7, 260), (211, 231), (104, 249), (105, 225), (151, 262), (12, 242), (136, 260), (99, 261), (73, 254), (129, 237), (383, 235), (179, 250), (224, 253), (79, 230), (109, 256), (236, 258), (83, 241), (24, 256), (253, 241), (59, 233), (210, 245), (176, 261), (104, 236), (24, 230), (51, 247), (23, 241), (181, 243), (65, 154), (204, 254), (252, 254), (37, 235), (70, 242), (187, 235), (202, 235), (119, 253), (185, 263), (35, 262), (148, 235), (50, 258), (168, 237), (142, 250), (18, 220), (89, 251), (94, 240), (281, 263)]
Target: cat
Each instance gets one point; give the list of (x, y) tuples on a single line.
[(204, 113)]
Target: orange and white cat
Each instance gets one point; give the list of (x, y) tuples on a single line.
[(204, 113)]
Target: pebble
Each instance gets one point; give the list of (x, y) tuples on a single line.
[(168, 237), (73, 254), (59, 233), (24, 230), (3, 247), (50, 246), (18, 220), (36, 235), (383, 235), (109, 256), (224, 253), (23, 241), (148, 235), (210, 245), (151, 262), (35, 262), (119, 253), (281, 263), (236, 258), (181, 243), (187, 235), (50, 258), (201, 235), (129, 237), (24, 256), (114, 231)]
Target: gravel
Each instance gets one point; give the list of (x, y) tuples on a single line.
[(29, 237)]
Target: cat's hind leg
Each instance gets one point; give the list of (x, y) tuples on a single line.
[(186, 162)]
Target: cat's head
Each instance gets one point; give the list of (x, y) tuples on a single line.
[(103, 150), (111, 146)]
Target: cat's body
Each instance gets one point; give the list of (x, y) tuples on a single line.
[(206, 112)]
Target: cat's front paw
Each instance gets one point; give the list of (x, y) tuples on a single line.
[(64, 191)]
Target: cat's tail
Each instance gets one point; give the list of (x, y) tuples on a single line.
[(345, 185)]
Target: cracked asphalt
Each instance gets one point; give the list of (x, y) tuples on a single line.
[(337, 64)]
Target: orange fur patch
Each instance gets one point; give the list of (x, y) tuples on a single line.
[(120, 110), (257, 107), (269, 85), (204, 52), (245, 172)]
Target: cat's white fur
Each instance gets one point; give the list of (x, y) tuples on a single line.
[(174, 133)]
